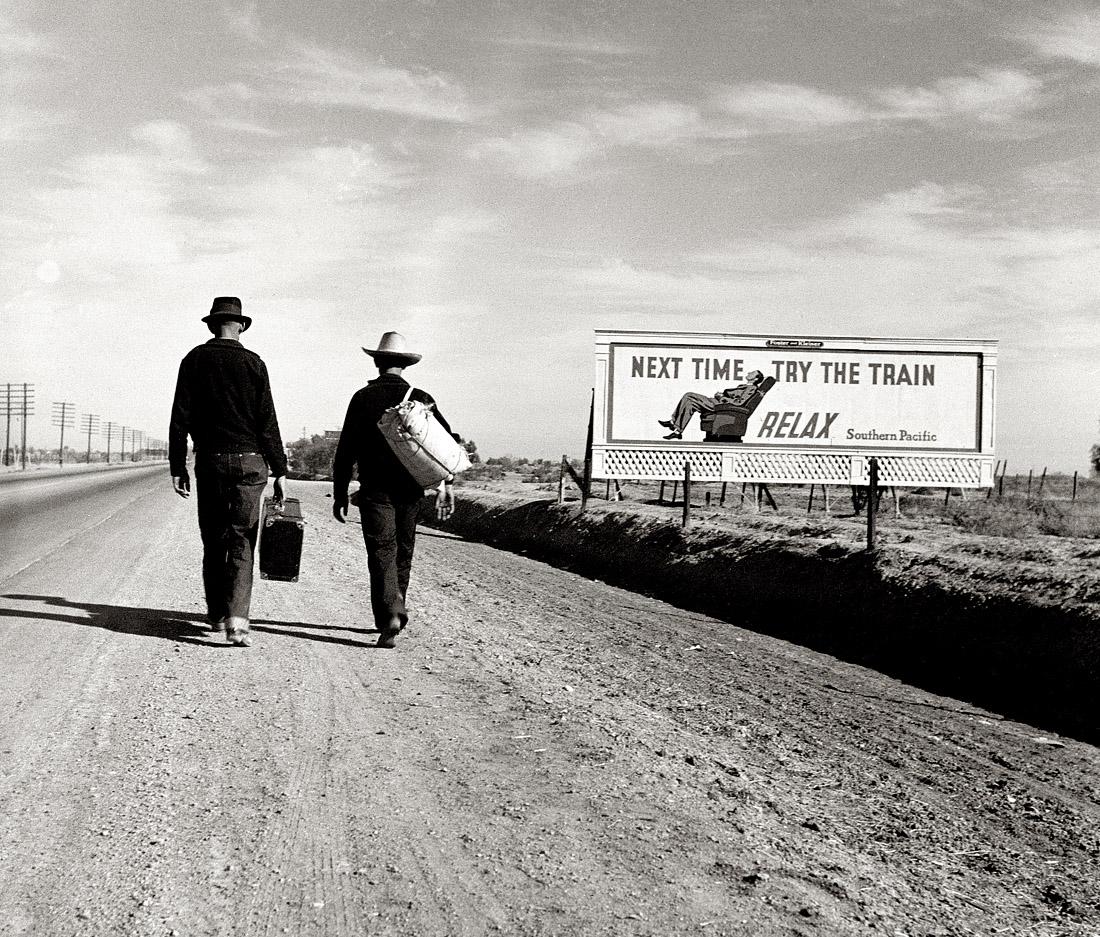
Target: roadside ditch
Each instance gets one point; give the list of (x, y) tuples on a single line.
[(1023, 642)]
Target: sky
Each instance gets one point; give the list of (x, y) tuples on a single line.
[(496, 180)]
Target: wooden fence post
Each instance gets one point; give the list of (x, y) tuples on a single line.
[(1042, 479), (561, 480), (810, 505), (722, 500), (1074, 498), (996, 469), (661, 494), (1029, 474)]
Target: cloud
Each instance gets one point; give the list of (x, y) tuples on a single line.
[(993, 95), (20, 124), (753, 109), (25, 58), (776, 107), (242, 22), (17, 42), (539, 153), (562, 147), (325, 78), (217, 99), (584, 45), (1071, 35), (172, 142), (231, 106), (647, 124)]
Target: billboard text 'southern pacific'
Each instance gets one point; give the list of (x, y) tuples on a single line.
[(805, 396)]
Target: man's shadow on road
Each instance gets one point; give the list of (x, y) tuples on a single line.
[(180, 627)]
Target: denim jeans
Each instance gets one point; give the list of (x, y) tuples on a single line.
[(229, 486), (389, 531)]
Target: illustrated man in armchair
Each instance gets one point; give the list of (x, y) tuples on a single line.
[(724, 416)]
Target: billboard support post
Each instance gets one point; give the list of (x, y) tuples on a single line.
[(685, 521), (586, 487), (872, 502)]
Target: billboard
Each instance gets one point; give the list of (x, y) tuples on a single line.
[(806, 394)]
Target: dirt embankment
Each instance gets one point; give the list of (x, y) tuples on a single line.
[(1013, 627)]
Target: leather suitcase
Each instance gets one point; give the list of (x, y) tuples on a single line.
[(282, 530)]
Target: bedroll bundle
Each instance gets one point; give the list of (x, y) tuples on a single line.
[(421, 444)]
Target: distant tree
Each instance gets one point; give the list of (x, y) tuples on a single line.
[(312, 456), (1094, 459), (471, 450)]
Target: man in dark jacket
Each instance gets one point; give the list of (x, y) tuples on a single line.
[(389, 497), (223, 400)]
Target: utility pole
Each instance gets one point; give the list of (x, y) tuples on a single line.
[(6, 405), (89, 422), (110, 428), (122, 455), (63, 417), (20, 404), (139, 444)]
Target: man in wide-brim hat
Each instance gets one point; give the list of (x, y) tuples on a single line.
[(389, 497), (223, 401)]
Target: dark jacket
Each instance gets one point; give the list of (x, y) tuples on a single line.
[(362, 443), (223, 400)]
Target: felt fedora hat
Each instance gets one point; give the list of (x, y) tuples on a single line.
[(394, 345), (227, 307)]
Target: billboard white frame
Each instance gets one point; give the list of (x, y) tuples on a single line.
[(787, 463)]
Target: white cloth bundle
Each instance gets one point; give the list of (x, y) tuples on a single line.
[(419, 441)]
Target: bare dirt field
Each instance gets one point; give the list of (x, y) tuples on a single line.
[(542, 754)]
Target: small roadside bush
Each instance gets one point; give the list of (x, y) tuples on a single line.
[(1026, 519), (995, 519)]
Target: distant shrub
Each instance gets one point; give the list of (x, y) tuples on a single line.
[(1023, 519), (995, 519)]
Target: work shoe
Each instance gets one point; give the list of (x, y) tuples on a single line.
[(218, 624), (236, 631), (667, 424), (674, 435), (389, 631)]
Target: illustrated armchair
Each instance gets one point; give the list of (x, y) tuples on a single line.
[(730, 420)]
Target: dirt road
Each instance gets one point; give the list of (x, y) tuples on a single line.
[(542, 754)]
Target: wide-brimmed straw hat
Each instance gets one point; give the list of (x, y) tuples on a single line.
[(394, 345), (227, 307)]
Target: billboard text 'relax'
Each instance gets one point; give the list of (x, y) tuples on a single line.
[(809, 394)]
